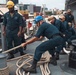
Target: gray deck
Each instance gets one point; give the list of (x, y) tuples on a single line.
[(60, 69)]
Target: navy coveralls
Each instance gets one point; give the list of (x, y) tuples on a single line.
[(69, 18), (24, 25), (12, 24), (67, 36), (59, 25), (69, 30), (49, 31), (62, 30), (72, 35)]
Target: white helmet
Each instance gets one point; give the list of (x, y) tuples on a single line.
[(16, 7), (64, 12)]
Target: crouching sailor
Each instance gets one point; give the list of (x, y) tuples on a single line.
[(49, 31)]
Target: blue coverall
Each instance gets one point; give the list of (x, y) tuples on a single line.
[(62, 30), (59, 25), (69, 18), (53, 34), (69, 31), (67, 35), (73, 35), (12, 24), (24, 25)]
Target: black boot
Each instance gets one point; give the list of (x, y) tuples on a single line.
[(57, 56), (25, 48), (53, 61), (10, 56), (22, 53), (31, 69)]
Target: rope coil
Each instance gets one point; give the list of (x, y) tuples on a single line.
[(43, 63), (4, 71)]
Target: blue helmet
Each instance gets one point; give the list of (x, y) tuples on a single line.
[(38, 18)]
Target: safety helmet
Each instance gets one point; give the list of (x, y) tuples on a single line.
[(10, 4), (16, 7), (64, 12), (37, 19)]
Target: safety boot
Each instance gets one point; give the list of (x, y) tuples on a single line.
[(53, 61), (31, 69), (25, 48), (10, 56), (22, 53)]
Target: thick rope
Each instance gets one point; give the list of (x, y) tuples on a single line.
[(4, 71), (25, 62), (44, 69), (7, 51)]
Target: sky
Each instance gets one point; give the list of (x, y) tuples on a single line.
[(50, 4)]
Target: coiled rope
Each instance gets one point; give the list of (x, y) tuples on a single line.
[(43, 63)]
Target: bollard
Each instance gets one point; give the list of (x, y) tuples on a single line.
[(72, 60), (3, 60), (72, 56), (4, 70)]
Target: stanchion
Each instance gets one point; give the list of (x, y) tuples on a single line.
[(4, 70), (3, 40)]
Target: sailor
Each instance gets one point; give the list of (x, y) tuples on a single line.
[(12, 28), (57, 23), (68, 26), (51, 32), (24, 25), (69, 17), (69, 31)]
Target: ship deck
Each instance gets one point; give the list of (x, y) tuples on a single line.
[(61, 68)]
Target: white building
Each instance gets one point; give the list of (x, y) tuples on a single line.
[(3, 1)]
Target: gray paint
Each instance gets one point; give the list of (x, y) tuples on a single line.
[(3, 60)]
